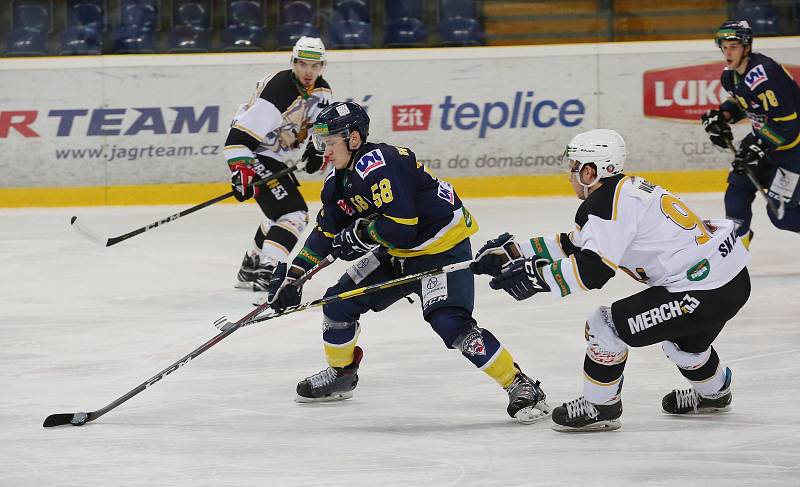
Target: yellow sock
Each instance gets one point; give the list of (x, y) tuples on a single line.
[(501, 368)]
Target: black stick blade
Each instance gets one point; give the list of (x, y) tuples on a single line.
[(75, 419)]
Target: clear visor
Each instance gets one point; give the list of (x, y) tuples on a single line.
[(322, 137)]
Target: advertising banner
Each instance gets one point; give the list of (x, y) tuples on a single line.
[(493, 111)]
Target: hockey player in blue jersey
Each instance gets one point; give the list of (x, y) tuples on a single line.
[(384, 210), (763, 91)]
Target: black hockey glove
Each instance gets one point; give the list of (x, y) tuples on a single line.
[(282, 292), (752, 150), (719, 131), (522, 279), (494, 254), (242, 179), (353, 242), (313, 159)]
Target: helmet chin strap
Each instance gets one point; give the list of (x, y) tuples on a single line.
[(585, 185)]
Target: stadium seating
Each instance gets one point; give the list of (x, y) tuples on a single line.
[(762, 16), (458, 25), (350, 34), (296, 20), (31, 22), (191, 24), (244, 29), (352, 10), (136, 33), (86, 13), (80, 40), (404, 26)]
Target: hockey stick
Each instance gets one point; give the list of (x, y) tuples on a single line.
[(778, 211), (358, 292), (81, 418), (108, 242)]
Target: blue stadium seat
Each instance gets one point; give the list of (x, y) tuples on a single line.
[(288, 34), (80, 14), (192, 13), (297, 11), (133, 40), (33, 16), (188, 38), (242, 38), (450, 9), (350, 34), (81, 40), (762, 16), (459, 31), (352, 10), (245, 12), (405, 32), (144, 16), (27, 42), (400, 9)]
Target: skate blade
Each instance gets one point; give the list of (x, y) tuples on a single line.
[(701, 411), (532, 414), (609, 425), (243, 285), (339, 396)]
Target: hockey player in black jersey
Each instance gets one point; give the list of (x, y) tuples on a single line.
[(273, 123), (384, 210), (763, 91), (695, 271)]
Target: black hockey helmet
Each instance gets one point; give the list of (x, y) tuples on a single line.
[(738, 30), (340, 118)]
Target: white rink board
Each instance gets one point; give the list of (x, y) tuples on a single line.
[(82, 325), (129, 120)]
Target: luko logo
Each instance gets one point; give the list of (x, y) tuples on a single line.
[(684, 93)]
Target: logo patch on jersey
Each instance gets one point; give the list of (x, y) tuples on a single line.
[(446, 192), (345, 206), (755, 77), (369, 162), (699, 271), (434, 290), (473, 344), (687, 305)]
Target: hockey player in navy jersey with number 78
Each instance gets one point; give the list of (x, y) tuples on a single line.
[(763, 91), (384, 210)]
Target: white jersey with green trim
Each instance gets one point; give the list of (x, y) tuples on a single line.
[(648, 232)]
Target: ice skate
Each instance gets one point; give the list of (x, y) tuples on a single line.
[(581, 415), (332, 383), (255, 272), (526, 400), (688, 401)]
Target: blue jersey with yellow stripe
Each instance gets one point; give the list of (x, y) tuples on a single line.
[(417, 214), (769, 96)]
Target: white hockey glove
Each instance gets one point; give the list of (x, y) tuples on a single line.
[(494, 254)]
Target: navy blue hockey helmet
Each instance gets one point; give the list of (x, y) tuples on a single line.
[(340, 118), (734, 30)]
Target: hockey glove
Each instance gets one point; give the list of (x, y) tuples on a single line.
[(752, 150), (282, 292), (719, 131), (494, 254), (522, 279), (242, 179), (354, 241), (313, 159)]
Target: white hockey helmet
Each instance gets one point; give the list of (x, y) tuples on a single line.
[(309, 49), (604, 148)]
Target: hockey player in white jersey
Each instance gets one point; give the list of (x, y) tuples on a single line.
[(695, 269), (273, 123)]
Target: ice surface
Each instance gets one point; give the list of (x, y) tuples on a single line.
[(82, 325)]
